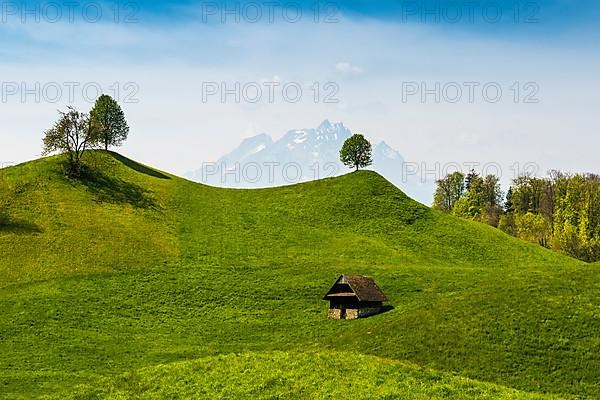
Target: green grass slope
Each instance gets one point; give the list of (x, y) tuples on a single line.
[(135, 268), (279, 375), (110, 221)]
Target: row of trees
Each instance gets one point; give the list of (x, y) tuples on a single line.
[(75, 132), (470, 196), (561, 212)]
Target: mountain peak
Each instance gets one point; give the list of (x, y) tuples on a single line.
[(248, 147), (326, 124), (387, 151), (260, 138), (331, 126)]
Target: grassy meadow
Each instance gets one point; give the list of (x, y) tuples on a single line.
[(133, 283)]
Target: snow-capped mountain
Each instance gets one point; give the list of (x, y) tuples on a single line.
[(302, 155), (247, 148)]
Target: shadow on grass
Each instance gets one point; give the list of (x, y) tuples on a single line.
[(138, 167), (386, 308), (19, 227), (113, 190)]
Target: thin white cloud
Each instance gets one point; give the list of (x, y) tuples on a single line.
[(348, 69)]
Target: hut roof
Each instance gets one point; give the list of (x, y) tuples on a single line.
[(363, 287)]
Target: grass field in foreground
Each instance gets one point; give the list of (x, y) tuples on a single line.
[(135, 269), (278, 375)]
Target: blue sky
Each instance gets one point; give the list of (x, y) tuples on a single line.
[(370, 54)]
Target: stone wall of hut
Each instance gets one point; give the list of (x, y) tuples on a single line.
[(352, 313)]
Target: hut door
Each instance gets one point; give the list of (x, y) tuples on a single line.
[(343, 313)]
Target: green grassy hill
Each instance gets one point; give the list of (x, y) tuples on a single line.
[(291, 375), (109, 222), (132, 276)]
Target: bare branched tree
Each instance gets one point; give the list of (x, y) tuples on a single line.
[(72, 134)]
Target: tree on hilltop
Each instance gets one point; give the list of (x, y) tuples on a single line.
[(72, 134), (356, 152), (108, 120)]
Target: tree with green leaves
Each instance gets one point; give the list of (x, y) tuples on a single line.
[(470, 178), (356, 152), (72, 134), (474, 198), (492, 192), (533, 195), (109, 121), (534, 228), (508, 224), (449, 191), (508, 204), (577, 217)]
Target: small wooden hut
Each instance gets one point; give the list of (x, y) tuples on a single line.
[(354, 296)]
